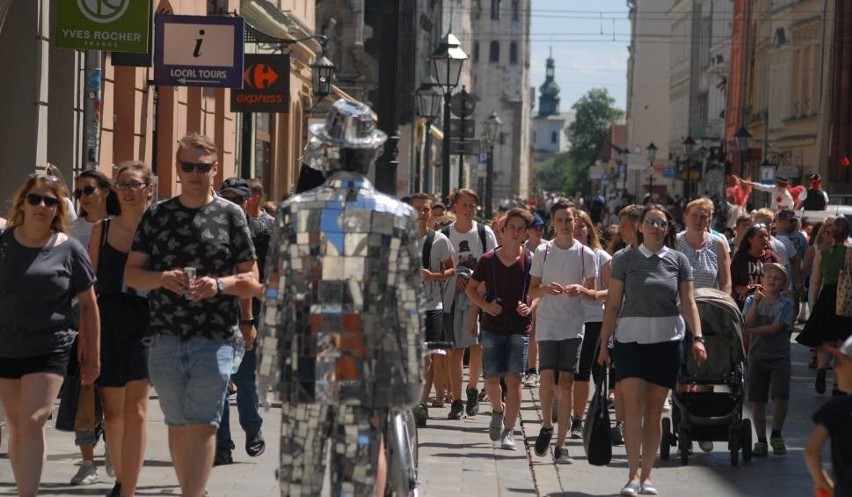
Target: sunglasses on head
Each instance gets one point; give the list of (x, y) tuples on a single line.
[(36, 199), (86, 190), (201, 167)]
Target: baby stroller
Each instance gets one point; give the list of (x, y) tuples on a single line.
[(699, 415)]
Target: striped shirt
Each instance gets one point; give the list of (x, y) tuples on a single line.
[(704, 260), (649, 313)]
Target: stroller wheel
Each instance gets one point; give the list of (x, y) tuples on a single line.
[(665, 440)]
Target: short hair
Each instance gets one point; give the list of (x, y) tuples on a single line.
[(420, 196), (445, 220), (559, 205), (743, 218), (521, 213), (763, 213), (464, 191), (700, 202), (633, 211), (255, 186), (16, 212), (198, 142)]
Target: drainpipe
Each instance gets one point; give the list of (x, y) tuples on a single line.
[(93, 109)]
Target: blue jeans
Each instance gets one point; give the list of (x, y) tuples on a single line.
[(504, 354), (247, 402), (191, 377)]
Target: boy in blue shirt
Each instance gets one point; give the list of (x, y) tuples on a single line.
[(768, 325)]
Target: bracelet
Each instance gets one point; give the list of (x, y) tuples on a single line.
[(698, 339)]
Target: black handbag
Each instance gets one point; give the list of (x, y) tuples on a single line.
[(596, 441), (69, 397)]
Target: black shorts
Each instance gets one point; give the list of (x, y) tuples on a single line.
[(124, 339), (15, 368), (436, 339), (589, 352)]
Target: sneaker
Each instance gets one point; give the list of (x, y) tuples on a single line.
[(495, 427), (86, 475), (706, 446), (110, 470), (507, 440), (561, 456), (255, 444), (531, 380), (116, 490), (616, 435), (472, 402), (576, 428), (667, 405), (819, 383), (542, 442), (630, 490), (456, 409), (223, 456), (761, 449), (779, 448), (421, 414)]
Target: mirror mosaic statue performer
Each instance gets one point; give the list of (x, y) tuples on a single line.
[(340, 335)]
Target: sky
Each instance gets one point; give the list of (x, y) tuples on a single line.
[(589, 40)]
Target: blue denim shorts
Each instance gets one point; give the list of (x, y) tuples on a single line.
[(504, 354), (190, 377)]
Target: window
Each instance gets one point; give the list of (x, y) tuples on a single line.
[(495, 9), (516, 7), (513, 52), (554, 136), (494, 52), (476, 51)]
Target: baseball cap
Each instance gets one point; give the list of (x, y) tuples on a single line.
[(537, 222), (236, 186), (787, 214), (843, 350)]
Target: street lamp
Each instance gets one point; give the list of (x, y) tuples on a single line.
[(428, 105), (688, 146), (741, 138), (652, 155), (447, 60), (322, 75), (491, 133)]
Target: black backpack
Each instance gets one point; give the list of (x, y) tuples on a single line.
[(427, 248)]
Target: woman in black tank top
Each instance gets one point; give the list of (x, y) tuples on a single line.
[(124, 321)]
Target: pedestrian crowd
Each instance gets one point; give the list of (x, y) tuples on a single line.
[(125, 295)]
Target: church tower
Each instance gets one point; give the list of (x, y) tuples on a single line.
[(548, 102)]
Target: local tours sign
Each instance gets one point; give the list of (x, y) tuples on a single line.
[(113, 25)]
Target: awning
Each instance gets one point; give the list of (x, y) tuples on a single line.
[(267, 18)]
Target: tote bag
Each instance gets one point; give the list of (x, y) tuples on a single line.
[(596, 441)]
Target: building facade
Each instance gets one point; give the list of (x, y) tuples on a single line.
[(550, 124)]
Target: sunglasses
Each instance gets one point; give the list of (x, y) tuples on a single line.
[(130, 185), (86, 190), (656, 223), (201, 167), (36, 199)]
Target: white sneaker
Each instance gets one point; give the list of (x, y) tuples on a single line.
[(507, 441), (531, 380), (667, 405), (86, 475)]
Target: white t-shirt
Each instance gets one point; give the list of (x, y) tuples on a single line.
[(433, 291), (595, 308), (559, 317), (81, 230), (468, 249), (780, 197)]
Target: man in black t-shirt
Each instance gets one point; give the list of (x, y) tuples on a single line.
[(187, 254)]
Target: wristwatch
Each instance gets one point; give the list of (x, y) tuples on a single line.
[(220, 287), (699, 339), (248, 322)]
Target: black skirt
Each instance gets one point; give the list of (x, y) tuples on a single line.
[(124, 339), (656, 363), (824, 325)]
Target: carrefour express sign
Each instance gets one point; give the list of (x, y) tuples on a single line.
[(113, 25)]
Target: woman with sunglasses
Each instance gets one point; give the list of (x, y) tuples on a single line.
[(93, 190), (41, 270), (747, 265), (642, 314), (124, 322)]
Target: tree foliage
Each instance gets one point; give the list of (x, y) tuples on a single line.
[(594, 114), (558, 174)]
